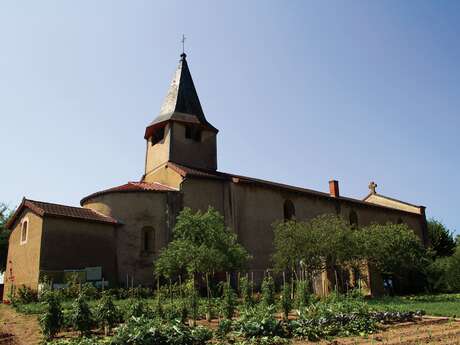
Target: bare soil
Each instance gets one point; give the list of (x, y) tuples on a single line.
[(18, 329)]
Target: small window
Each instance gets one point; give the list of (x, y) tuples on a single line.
[(289, 210), (148, 239), (353, 217), (24, 231), (158, 135), (193, 133)]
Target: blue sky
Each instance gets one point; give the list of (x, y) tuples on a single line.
[(301, 91)]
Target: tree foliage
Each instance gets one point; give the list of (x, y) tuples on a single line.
[(442, 240), (201, 244), (392, 248), (327, 242), (5, 214)]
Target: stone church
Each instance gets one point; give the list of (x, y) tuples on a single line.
[(116, 234)]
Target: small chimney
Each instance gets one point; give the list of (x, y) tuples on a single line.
[(334, 188)]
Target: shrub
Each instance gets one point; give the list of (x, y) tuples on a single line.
[(268, 291), (285, 301), (80, 316), (246, 291), (143, 331), (228, 304), (302, 297), (259, 321), (26, 295), (107, 313), (193, 300), (51, 320), (89, 291), (136, 309), (225, 326)]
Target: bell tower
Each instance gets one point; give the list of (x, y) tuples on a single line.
[(181, 133)]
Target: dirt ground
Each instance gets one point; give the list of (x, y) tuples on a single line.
[(18, 329)]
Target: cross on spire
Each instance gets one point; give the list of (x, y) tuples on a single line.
[(183, 43)]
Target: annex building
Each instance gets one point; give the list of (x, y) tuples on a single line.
[(116, 234)]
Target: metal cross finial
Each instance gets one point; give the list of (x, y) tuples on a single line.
[(372, 187), (183, 43)]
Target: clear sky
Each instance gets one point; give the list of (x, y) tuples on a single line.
[(302, 92)]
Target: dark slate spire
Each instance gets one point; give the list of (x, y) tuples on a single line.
[(181, 102)]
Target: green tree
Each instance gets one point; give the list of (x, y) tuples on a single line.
[(392, 248), (442, 240), (5, 214), (324, 242), (296, 243), (201, 244)]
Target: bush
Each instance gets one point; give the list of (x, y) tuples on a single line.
[(107, 314), (246, 292), (285, 301), (51, 320), (80, 316), (26, 295), (268, 291), (345, 318), (225, 326), (143, 331), (136, 309), (228, 304), (259, 321), (302, 297)]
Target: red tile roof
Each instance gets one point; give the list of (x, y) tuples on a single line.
[(56, 210), (132, 187)]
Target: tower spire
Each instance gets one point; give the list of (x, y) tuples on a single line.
[(181, 102)]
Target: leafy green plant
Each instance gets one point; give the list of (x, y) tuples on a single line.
[(259, 321), (246, 289), (80, 316), (107, 314), (136, 309), (285, 301), (268, 291), (228, 303), (51, 320), (144, 331), (26, 295), (302, 297), (193, 300)]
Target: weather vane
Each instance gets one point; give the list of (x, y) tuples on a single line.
[(183, 43)]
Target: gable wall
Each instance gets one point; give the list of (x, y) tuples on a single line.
[(24, 259)]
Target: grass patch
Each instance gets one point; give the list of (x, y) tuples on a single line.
[(437, 305)]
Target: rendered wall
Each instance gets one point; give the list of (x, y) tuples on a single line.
[(24, 259), (136, 211), (75, 244)]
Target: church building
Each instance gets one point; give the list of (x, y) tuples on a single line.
[(116, 234)]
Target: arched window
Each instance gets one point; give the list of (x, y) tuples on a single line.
[(24, 231), (353, 217), (289, 210), (148, 239)]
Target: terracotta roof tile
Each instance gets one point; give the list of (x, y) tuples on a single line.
[(132, 187), (56, 210)]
